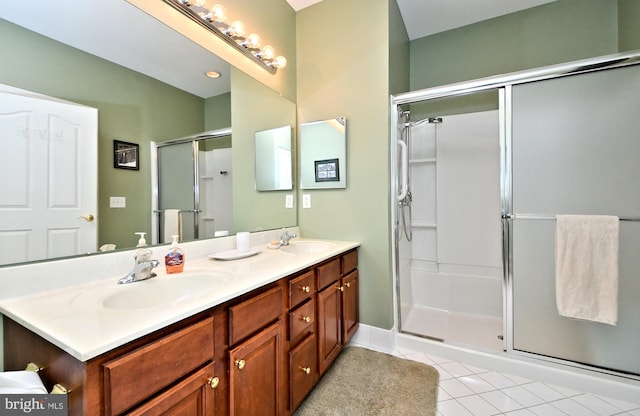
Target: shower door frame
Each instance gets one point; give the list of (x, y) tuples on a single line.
[(155, 185), (503, 84)]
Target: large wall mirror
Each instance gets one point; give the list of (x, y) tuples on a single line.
[(323, 155), (137, 106)]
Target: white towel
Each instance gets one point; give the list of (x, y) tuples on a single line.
[(172, 224), (21, 382), (587, 267)]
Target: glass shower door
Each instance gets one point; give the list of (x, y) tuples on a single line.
[(176, 188)]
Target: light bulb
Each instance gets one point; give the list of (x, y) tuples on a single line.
[(253, 41), (218, 13), (237, 28), (280, 62), (267, 53)]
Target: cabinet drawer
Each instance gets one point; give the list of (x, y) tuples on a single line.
[(301, 288), (328, 273), (349, 262), (303, 370), (192, 396), (141, 373), (302, 320), (254, 314)]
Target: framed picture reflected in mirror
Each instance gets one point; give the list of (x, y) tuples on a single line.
[(126, 155)]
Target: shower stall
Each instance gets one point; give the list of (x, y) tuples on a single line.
[(449, 230), (480, 171)]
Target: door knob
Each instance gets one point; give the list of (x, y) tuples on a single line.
[(88, 217)]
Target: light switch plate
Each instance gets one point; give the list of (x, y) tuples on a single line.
[(288, 201), (306, 200), (117, 202)]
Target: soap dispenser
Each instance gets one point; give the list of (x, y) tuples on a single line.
[(174, 260), (143, 255)]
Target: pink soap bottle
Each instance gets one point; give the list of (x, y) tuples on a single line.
[(174, 260)]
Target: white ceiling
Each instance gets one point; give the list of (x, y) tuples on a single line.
[(119, 32)]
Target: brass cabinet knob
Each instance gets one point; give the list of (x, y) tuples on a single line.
[(213, 382), (88, 217), (307, 319), (348, 284), (240, 364), (305, 289), (340, 288), (306, 370)]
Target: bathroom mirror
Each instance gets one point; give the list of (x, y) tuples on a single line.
[(323, 155), (273, 159), (139, 109)]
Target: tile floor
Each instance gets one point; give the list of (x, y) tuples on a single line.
[(466, 390)]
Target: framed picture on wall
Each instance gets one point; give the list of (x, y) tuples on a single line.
[(327, 170), (125, 155)]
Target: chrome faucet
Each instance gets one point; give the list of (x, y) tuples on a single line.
[(141, 271), (285, 237)]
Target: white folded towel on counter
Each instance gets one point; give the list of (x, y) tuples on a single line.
[(21, 382), (587, 267)]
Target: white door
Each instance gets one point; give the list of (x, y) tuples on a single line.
[(48, 187)]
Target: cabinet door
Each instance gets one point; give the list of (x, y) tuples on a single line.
[(255, 374), (329, 328), (193, 396), (350, 306)]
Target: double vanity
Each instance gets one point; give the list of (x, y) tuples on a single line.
[(236, 337)]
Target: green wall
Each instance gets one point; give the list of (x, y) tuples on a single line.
[(628, 25), (398, 51), (217, 112), (346, 73), (131, 107), (255, 107), (561, 31)]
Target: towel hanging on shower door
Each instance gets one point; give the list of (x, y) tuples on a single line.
[(172, 225), (587, 267)]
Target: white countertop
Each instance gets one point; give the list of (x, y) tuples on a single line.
[(75, 319)]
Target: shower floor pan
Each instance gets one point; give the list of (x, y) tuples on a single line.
[(480, 331)]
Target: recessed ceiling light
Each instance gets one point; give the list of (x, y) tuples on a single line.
[(213, 74)]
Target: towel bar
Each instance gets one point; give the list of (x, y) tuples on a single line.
[(546, 217)]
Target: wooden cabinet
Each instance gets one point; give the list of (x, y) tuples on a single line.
[(256, 363), (255, 374), (259, 354), (136, 376), (337, 306), (303, 370), (303, 364), (193, 396)]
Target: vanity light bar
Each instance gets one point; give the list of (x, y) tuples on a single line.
[(233, 34)]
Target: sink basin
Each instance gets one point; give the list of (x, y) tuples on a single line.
[(162, 291), (306, 247)]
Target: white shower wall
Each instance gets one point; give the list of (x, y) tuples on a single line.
[(451, 271)]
